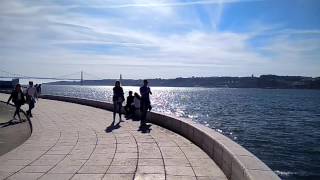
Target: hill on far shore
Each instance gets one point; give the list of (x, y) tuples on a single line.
[(264, 81)]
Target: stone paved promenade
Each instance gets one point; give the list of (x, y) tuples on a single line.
[(69, 141)]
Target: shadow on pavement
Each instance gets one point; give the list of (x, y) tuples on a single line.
[(112, 127)]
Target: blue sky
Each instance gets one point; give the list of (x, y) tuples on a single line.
[(160, 38)]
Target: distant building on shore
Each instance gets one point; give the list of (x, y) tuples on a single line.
[(8, 84)]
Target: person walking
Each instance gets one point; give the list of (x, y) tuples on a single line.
[(31, 95), (145, 104), (18, 99), (118, 98)]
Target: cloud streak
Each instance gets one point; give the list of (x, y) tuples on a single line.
[(50, 34)]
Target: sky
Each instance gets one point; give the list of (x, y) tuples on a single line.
[(159, 38)]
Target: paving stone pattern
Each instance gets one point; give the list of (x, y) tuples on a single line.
[(69, 141)]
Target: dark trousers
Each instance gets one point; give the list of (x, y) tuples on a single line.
[(17, 112), (144, 109), (31, 106)]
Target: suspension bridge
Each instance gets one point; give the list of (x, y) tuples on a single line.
[(76, 76)]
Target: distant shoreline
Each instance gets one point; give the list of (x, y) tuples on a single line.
[(262, 82), (178, 87)]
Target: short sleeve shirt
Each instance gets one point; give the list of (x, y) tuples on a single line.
[(145, 91)]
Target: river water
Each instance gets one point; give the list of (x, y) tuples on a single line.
[(280, 126)]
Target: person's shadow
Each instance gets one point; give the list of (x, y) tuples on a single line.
[(145, 129), (11, 123), (112, 127)]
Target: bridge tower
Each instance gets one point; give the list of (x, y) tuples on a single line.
[(81, 80)]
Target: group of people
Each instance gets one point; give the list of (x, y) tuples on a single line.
[(20, 97), (137, 102)]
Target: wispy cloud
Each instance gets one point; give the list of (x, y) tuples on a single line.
[(170, 3), (146, 34), (128, 4)]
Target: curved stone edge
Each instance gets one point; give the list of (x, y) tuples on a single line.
[(24, 113), (21, 110), (26, 137), (236, 162)]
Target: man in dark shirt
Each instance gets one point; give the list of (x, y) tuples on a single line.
[(128, 107), (145, 102)]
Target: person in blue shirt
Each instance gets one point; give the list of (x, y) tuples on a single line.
[(145, 103)]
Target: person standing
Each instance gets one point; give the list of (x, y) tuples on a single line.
[(145, 104), (39, 89), (31, 95), (118, 98), (18, 100)]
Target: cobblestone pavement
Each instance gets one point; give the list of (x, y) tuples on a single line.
[(69, 141)]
